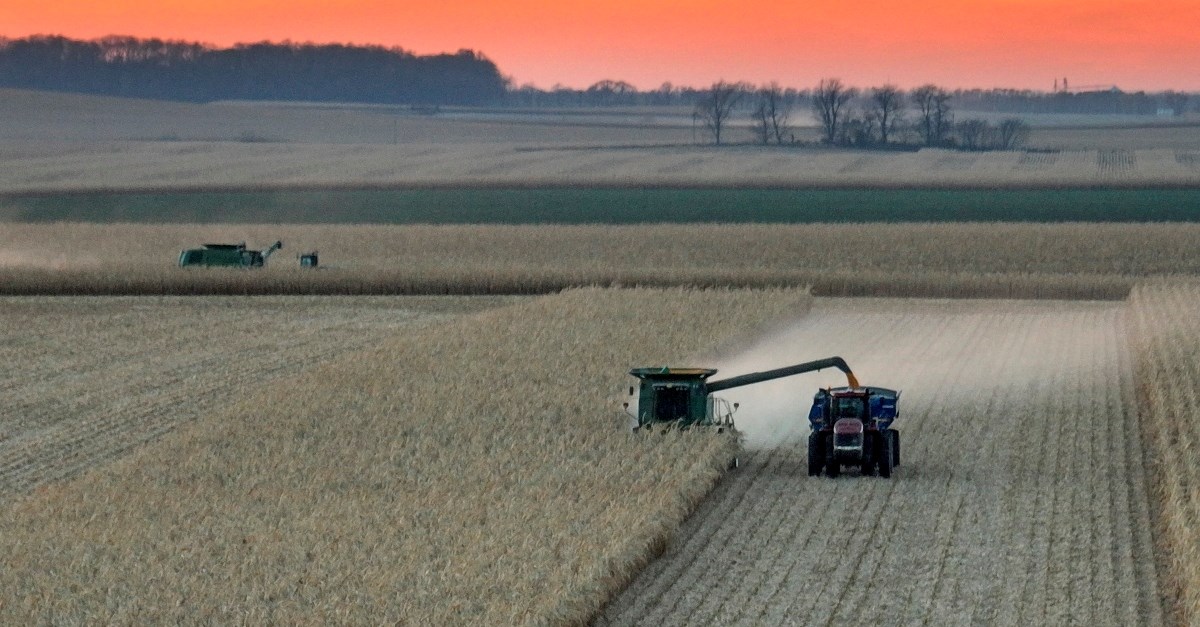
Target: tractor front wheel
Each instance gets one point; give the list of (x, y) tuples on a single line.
[(816, 453), (833, 467)]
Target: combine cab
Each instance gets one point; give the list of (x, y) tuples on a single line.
[(679, 397), (852, 426), (226, 255)]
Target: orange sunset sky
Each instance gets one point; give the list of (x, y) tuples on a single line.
[(1133, 44)]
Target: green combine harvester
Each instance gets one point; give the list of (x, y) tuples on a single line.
[(226, 255)]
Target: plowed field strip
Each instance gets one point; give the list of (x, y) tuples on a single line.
[(1021, 498)]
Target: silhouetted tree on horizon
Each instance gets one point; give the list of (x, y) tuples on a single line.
[(829, 100), (887, 106), (771, 114), (716, 105), (933, 107)]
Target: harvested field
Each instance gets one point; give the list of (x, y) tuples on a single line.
[(1021, 498), (232, 166), (86, 380), (68, 142)]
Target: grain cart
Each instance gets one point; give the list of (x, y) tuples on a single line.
[(227, 255), (852, 426), (682, 397)]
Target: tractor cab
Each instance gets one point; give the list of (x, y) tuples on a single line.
[(678, 396), (849, 406), (874, 406)]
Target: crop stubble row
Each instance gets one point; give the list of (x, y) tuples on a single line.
[(1021, 498)]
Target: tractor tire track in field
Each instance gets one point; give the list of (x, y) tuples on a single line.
[(86, 380), (1021, 497)]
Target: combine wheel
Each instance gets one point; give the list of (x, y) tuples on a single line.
[(885, 450), (895, 435), (816, 453)]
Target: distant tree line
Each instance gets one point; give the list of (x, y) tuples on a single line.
[(175, 70), (885, 117), (1016, 101)]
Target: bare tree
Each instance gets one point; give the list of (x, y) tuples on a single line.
[(828, 101), (607, 93), (933, 107), (771, 114), (973, 133), (761, 122), (887, 106), (1012, 134), (716, 105)]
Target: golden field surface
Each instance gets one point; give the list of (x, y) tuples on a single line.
[(465, 462), (87, 379), (65, 142), (1166, 343), (475, 471), (1091, 261), (1021, 497), (297, 446)]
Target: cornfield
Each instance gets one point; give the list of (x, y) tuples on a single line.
[(1166, 345), (474, 471), (1088, 261)]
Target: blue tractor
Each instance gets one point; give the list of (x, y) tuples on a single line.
[(852, 426)]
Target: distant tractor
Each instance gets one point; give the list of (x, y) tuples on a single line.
[(227, 255), (852, 426), (309, 259)]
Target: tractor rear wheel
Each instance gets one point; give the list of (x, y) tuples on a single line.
[(869, 457), (885, 452), (816, 453)]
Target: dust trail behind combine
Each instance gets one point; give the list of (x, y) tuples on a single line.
[(1021, 497)]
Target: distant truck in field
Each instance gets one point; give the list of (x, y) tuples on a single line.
[(226, 255)]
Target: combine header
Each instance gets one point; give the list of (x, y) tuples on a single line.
[(851, 425)]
